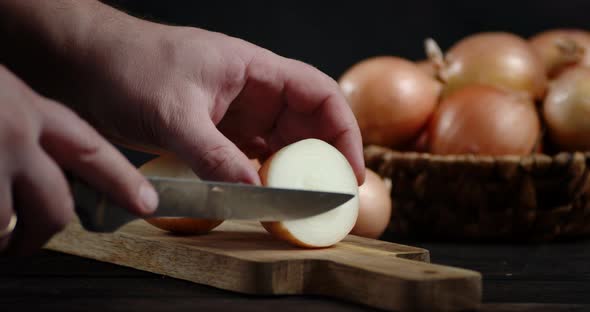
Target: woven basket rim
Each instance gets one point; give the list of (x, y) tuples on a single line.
[(474, 158), (537, 197)]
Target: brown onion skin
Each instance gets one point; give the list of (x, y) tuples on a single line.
[(375, 207), (484, 120), (391, 99), (171, 166), (560, 49), (428, 68), (494, 58), (566, 110), (184, 226), (420, 145)]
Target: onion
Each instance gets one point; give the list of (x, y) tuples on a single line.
[(312, 164), (566, 110), (428, 67), (493, 58), (562, 48), (374, 207), (170, 166), (391, 99), (421, 144), (481, 119)]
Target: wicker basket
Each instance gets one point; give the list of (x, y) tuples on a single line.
[(477, 198)]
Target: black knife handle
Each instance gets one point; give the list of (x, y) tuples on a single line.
[(97, 213)]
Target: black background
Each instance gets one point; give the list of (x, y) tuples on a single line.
[(333, 35)]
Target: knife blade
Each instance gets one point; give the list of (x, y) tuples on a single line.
[(193, 198)]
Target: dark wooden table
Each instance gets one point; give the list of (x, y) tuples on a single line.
[(549, 277)]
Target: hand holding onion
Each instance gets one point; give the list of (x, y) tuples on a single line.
[(488, 109)]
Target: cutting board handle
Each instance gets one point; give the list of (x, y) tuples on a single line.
[(393, 283)]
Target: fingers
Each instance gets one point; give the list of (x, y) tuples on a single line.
[(45, 202), (317, 108), (6, 212), (77, 147), (214, 157), (293, 126)]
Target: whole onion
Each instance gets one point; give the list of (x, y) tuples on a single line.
[(491, 58), (560, 49), (566, 110), (484, 120), (391, 98)]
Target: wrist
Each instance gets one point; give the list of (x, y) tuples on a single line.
[(50, 26), (49, 40)]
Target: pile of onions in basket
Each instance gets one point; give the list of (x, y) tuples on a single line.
[(489, 93)]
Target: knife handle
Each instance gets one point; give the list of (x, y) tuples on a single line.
[(97, 213)]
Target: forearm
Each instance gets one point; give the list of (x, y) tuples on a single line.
[(43, 41)]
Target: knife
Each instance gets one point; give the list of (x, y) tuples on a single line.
[(193, 198)]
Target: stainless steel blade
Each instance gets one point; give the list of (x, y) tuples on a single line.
[(204, 199), (227, 201)]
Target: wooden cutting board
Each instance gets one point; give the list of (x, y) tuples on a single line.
[(242, 257)]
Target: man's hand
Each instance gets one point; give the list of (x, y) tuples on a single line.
[(212, 99), (38, 137)]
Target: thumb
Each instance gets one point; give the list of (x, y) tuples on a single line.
[(214, 157)]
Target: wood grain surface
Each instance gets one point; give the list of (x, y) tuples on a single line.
[(242, 257)]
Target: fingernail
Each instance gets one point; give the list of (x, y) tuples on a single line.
[(148, 197), (251, 179)]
